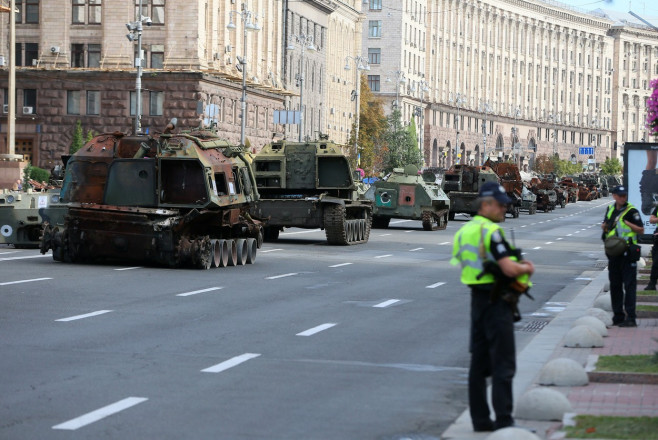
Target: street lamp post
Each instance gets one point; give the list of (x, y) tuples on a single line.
[(361, 65), (459, 99), (306, 43), (135, 28), (423, 86), (399, 79), (555, 118), (484, 108), (516, 145), (249, 24), (596, 125)]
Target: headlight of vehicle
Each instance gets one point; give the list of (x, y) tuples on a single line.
[(54, 198), (10, 198)]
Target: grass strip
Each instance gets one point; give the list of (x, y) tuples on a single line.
[(610, 427), (647, 292), (647, 308), (636, 363)]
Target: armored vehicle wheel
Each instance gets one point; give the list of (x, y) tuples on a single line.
[(341, 230), (252, 248), (223, 253), (379, 222), (563, 204), (242, 251), (515, 212), (271, 233), (216, 253), (433, 221), (533, 209), (232, 253)]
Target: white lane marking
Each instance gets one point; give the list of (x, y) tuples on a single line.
[(270, 250), (414, 250), (445, 242), (384, 235), (282, 276), (24, 258), (541, 223), (399, 221), (130, 268), (100, 413), (583, 279), (317, 329), (559, 238), (386, 303), (300, 232), (341, 264), (577, 232), (409, 231), (10, 252), (549, 242), (384, 256), (569, 235), (523, 226), (86, 315), (194, 292), (435, 285), (537, 247), (24, 281), (230, 363)]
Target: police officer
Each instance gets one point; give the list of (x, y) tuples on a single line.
[(623, 220), (492, 346)]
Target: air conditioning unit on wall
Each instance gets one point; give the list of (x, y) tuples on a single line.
[(27, 110), (54, 49)]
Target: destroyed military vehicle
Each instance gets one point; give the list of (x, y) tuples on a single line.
[(406, 194), (310, 185), (462, 183), (510, 179), (170, 199)]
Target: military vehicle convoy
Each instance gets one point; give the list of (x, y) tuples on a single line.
[(462, 183), (310, 185), (407, 195), (178, 200)]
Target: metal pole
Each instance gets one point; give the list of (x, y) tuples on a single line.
[(357, 85), (484, 135), (301, 92), (138, 81), (243, 101), (457, 135), (11, 116)]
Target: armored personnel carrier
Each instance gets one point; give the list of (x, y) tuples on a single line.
[(546, 195), (310, 185), (23, 212), (528, 201), (462, 183), (510, 179), (406, 194), (170, 199)]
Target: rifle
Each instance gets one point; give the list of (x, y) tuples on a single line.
[(506, 288)]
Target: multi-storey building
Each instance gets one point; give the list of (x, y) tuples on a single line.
[(512, 77), (75, 63)]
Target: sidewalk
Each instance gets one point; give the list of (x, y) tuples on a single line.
[(619, 399)]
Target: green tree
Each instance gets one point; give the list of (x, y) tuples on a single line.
[(90, 136), (544, 164), (563, 167), (402, 146), (77, 141), (372, 127), (611, 167), (34, 173)]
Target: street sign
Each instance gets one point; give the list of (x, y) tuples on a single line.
[(586, 150)]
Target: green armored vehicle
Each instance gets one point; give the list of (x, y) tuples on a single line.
[(462, 184), (22, 214), (310, 185), (406, 194), (170, 199)]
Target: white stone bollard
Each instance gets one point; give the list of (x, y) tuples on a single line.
[(593, 322), (512, 433), (606, 287), (542, 404), (582, 336), (603, 302), (563, 372), (601, 314)]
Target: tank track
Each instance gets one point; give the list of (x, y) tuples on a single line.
[(346, 232), (435, 221)]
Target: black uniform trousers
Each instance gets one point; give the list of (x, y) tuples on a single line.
[(493, 353), (653, 278), (622, 274)]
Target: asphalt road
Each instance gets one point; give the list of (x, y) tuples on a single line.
[(310, 342)]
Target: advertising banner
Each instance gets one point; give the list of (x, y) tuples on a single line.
[(641, 178)]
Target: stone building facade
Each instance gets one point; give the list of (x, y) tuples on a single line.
[(543, 78), (75, 63)]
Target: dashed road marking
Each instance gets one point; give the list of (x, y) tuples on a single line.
[(549, 242), (230, 363), (536, 247), (24, 258), (282, 276), (86, 315), (399, 221), (559, 238), (300, 232), (444, 243), (130, 268), (100, 413), (384, 256), (386, 303), (414, 250), (523, 226), (24, 281), (317, 329), (341, 264), (435, 285), (569, 235), (384, 235), (194, 292), (269, 250)]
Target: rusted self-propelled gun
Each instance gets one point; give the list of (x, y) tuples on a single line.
[(180, 200)]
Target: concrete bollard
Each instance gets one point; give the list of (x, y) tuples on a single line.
[(603, 302), (600, 314), (582, 336), (593, 322), (563, 372), (606, 287), (512, 433), (542, 404)]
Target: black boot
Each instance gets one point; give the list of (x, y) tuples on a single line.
[(650, 286)]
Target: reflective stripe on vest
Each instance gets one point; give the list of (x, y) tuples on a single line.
[(466, 249), (621, 229)]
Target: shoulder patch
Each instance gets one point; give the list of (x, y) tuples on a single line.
[(496, 237)]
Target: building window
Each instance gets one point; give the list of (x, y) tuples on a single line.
[(77, 55), (30, 99), (19, 54), (31, 54), (27, 11), (375, 5), (154, 9), (374, 55), (93, 102), (86, 12), (156, 100), (375, 28), (157, 56), (73, 102), (374, 82), (93, 55)]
